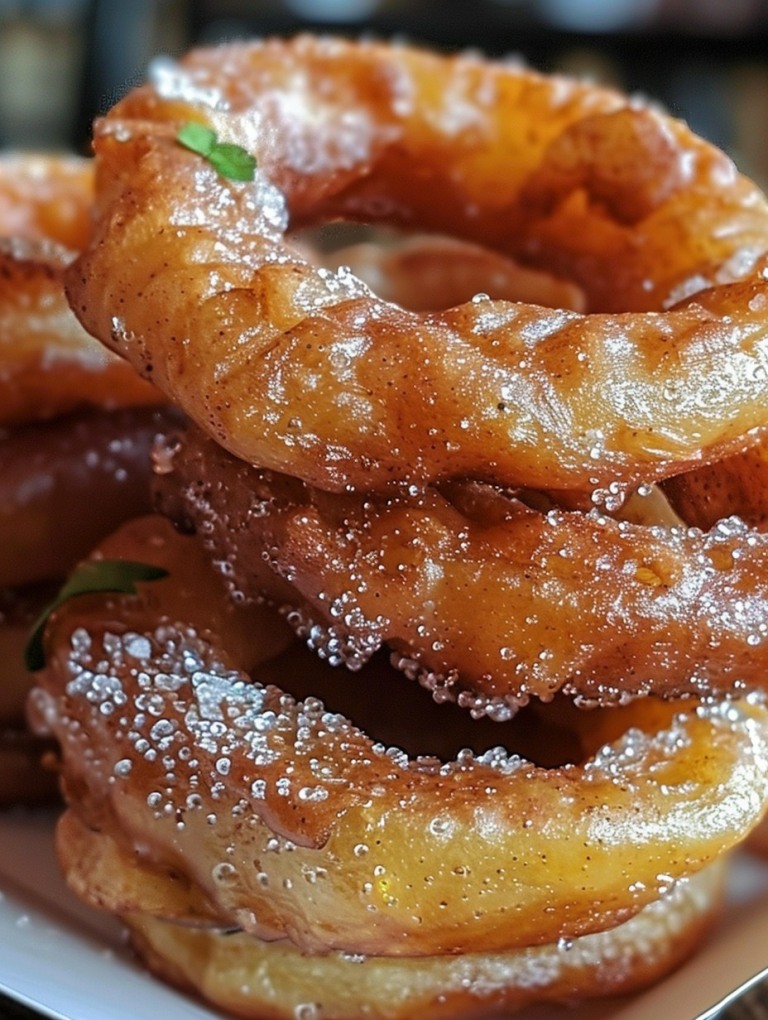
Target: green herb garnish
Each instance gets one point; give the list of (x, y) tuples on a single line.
[(92, 576), (228, 159)]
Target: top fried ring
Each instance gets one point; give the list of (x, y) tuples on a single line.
[(305, 371)]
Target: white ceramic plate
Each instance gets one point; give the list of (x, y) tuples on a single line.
[(72, 963)]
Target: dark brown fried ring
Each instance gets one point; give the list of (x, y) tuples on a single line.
[(478, 593), (66, 483)]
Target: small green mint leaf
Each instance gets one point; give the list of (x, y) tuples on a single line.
[(91, 576), (232, 161), (226, 158), (197, 137)]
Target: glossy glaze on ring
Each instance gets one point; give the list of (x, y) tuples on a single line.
[(305, 371)]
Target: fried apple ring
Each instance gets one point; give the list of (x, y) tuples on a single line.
[(49, 365), (257, 979), (480, 596), (293, 368), (251, 978), (74, 445), (295, 824), (64, 484), (733, 486), (46, 198)]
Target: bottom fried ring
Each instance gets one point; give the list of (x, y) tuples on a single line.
[(296, 825), (275, 981)]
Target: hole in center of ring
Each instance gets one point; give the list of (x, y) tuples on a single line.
[(430, 272)]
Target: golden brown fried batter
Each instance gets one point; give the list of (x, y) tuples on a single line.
[(46, 198), (294, 823), (305, 371)]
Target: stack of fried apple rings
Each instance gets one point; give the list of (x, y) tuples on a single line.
[(76, 427), (430, 476)]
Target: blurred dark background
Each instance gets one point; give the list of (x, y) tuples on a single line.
[(64, 61)]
